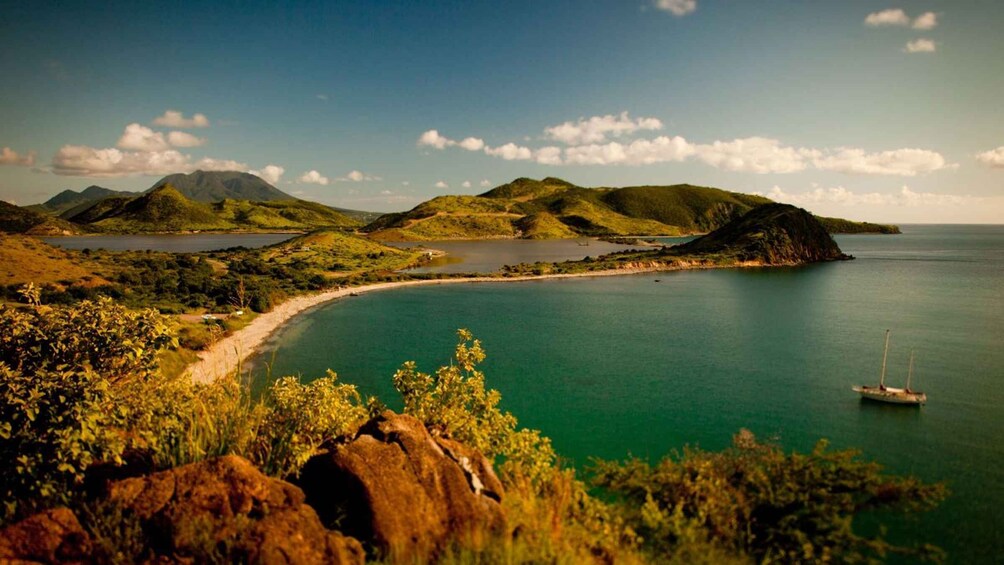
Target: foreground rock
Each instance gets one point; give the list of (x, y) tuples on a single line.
[(404, 493), (54, 536), (221, 510)]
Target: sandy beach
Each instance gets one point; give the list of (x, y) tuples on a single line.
[(230, 352)]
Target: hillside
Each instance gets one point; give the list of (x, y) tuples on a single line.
[(68, 200), (550, 208), (773, 234), (167, 210), (28, 260), (15, 219), (214, 186)]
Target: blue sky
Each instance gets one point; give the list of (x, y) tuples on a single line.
[(866, 109)]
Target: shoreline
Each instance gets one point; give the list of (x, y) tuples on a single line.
[(230, 352)]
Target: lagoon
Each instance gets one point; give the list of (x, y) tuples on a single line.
[(173, 243), (625, 365)]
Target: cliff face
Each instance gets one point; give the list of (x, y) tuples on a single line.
[(773, 234)]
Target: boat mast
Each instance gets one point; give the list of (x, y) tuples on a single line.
[(909, 375), (885, 354)]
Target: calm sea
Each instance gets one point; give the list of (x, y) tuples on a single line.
[(187, 243), (626, 365)]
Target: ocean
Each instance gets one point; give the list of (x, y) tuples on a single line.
[(646, 364)]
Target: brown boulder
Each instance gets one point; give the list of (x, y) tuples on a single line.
[(405, 493), (54, 536), (227, 503)]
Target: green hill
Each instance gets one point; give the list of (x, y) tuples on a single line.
[(69, 200), (167, 210), (15, 219), (553, 207), (214, 186)]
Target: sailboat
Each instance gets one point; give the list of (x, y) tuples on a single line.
[(888, 394)]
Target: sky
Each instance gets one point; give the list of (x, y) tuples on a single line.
[(863, 109)]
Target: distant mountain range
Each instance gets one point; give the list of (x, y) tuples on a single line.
[(552, 208), (15, 219)]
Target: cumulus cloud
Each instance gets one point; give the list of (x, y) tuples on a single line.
[(314, 177), (270, 173), (843, 196), (176, 119), (357, 176), (889, 17), (84, 161), (183, 139), (432, 138), (902, 162), (597, 128), (926, 21), (754, 155), (441, 184), (485, 183), (993, 158), (466, 184), (678, 8), (510, 152), (10, 157), (920, 46), (639, 152), (472, 144), (209, 164)]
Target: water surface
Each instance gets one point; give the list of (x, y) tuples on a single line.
[(626, 365), (174, 243)]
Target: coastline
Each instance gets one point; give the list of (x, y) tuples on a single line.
[(230, 352)]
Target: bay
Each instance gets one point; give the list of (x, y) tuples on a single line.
[(625, 365), (173, 243)]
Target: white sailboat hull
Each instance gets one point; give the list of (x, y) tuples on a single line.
[(891, 395)]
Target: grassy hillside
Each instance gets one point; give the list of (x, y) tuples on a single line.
[(552, 208), (15, 219), (28, 260), (167, 210), (338, 254), (68, 200), (838, 225)]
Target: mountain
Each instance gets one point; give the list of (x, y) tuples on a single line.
[(772, 234), (70, 199), (549, 208), (165, 209), (15, 219), (214, 186)]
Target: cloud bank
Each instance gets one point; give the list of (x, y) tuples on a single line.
[(10, 157)]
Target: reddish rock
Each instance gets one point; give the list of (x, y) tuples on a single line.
[(405, 493), (226, 502), (54, 536)]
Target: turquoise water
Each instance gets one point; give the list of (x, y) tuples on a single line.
[(625, 365), (173, 243)]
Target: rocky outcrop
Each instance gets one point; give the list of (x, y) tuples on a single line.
[(54, 536), (772, 234), (218, 510), (263, 520), (405, 493)]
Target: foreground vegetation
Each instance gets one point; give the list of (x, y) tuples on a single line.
[(81, 393)]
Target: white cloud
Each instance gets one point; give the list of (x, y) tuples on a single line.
[(357, 176), (466, 184), (754, 155), (183, 139), (890, 17), (314, 177), (138, 137), (270, 173), (639, 152), (902, 162), (433, 139), (548, 155), (920, 46), (472, 144), (485, 183), (406, 183), (845, 197), (441, 184), (993, 158), (926, 21), (322, 97), (10, 157), (175, 119), (209, 164), (83, 161), (677, 7), (597, 128), (510, 152)]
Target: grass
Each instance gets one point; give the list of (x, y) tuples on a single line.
[(339, 254), (25, 259)]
